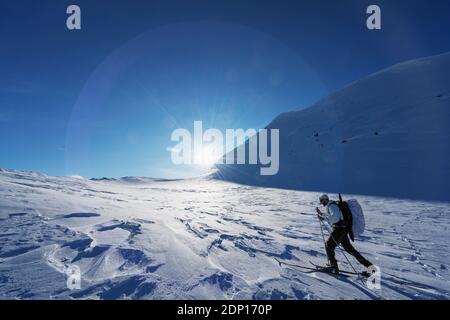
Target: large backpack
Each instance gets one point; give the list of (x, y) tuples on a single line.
[(353, 216), (358, 220)]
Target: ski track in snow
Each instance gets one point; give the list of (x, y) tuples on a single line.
[(203, 239)]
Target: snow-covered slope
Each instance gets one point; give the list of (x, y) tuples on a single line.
[(203, 238), (387, 134)]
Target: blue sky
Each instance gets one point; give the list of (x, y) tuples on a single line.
[(103, 101)]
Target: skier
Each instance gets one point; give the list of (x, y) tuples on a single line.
[(339, 234)]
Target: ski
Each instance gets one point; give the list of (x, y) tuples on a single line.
[(316, 268), (308, 270), (349, 273), (295, 265)]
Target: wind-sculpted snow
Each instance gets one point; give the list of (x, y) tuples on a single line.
[(384, 135), (203, 239)]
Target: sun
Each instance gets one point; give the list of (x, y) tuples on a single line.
[(206, 156)]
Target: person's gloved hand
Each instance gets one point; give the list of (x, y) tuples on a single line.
[(319, 214)]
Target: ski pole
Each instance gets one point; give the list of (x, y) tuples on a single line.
[(323, 238)]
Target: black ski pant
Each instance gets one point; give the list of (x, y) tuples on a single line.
[(339, 235)]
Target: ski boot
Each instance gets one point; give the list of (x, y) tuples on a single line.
[(331, 268)]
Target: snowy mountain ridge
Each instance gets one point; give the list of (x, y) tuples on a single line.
[(386, 135), (125, 179)]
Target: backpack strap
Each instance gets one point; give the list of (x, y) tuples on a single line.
[(341, 223)]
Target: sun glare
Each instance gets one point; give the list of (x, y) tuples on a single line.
[(206, 156)]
